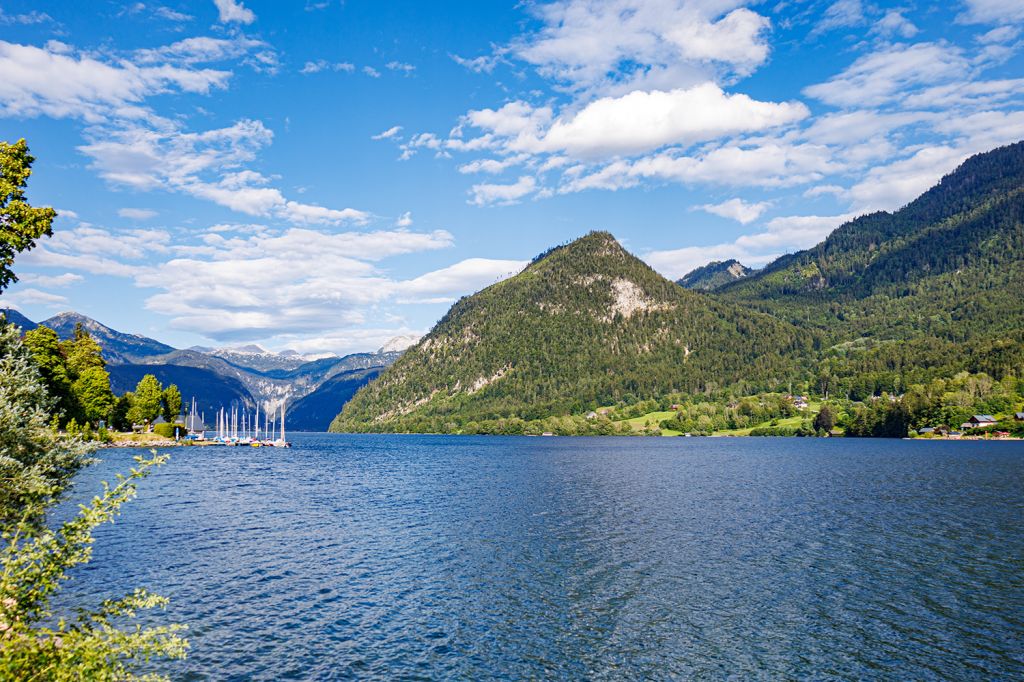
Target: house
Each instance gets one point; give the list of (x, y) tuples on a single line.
[(591, 415), (1019, 416), (980, 421), (926, 430)]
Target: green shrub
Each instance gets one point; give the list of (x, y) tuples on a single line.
[(167, 430)]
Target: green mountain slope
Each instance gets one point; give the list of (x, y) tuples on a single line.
[(714, 275), (932, 289), (584, 325)]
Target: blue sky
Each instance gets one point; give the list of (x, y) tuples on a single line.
[(326, 175)]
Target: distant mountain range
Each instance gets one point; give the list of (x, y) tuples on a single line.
[(220, 377), (887, 300)]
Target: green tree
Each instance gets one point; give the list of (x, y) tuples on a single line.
[(92, 389), (146, 400), (171, 403), (119, 414), (20, 223), (82, 351), (825, 420), (35, 464), (48, 353)]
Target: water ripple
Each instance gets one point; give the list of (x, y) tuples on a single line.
[(355, 557)]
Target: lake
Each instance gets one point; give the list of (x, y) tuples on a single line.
[(429, 557)]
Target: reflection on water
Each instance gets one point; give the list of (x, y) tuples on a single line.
[(437, 557)]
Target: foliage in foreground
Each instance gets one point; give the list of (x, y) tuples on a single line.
[(91, 647)]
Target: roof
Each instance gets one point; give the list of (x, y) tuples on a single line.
[(983, 418), (1019, 415)]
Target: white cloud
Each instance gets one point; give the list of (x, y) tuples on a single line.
[(486, 194), (172, 15), (890, 186), (484, 64), (208, 165), (404, 220), (889, 74), (464, 277), (49, 281), (200, 49), (324, 65), (993, 11), (53, 81), (620, 45), (493, 166), (387, 134), (400, 66), (23, 297), (232, 11), (643, 121), (895, 24), (136, 213), (371, 72), (780, 235), (738, 210), (840, 14)]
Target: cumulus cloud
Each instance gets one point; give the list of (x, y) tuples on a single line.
[(404, 220), (738, 210), (232, 11), (643, 121), (620, 45)]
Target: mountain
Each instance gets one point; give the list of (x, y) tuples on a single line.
[(256, 358), (14, 317), (714, 275), (398, 343), (315, 411), (211, 390), (118, 347), (584, 325), (931, 289)]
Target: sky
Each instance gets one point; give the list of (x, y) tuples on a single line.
[(324, 175)]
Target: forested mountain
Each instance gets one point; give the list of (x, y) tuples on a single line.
[(714, 275), (932, 289), (584, 325), (886, 301)]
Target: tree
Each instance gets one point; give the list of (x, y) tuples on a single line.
[(48, 353), (82, 351), (146, 400), (171, 403), (825, 420), (20, 223), (35, 464), (92, 388), (119, 414)]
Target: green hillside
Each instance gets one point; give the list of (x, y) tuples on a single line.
[(584, 325), (932, 289), (887, 301)]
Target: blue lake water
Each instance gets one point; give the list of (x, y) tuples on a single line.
[(425, 557)]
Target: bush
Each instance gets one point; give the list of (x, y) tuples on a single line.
[(167, 430)]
